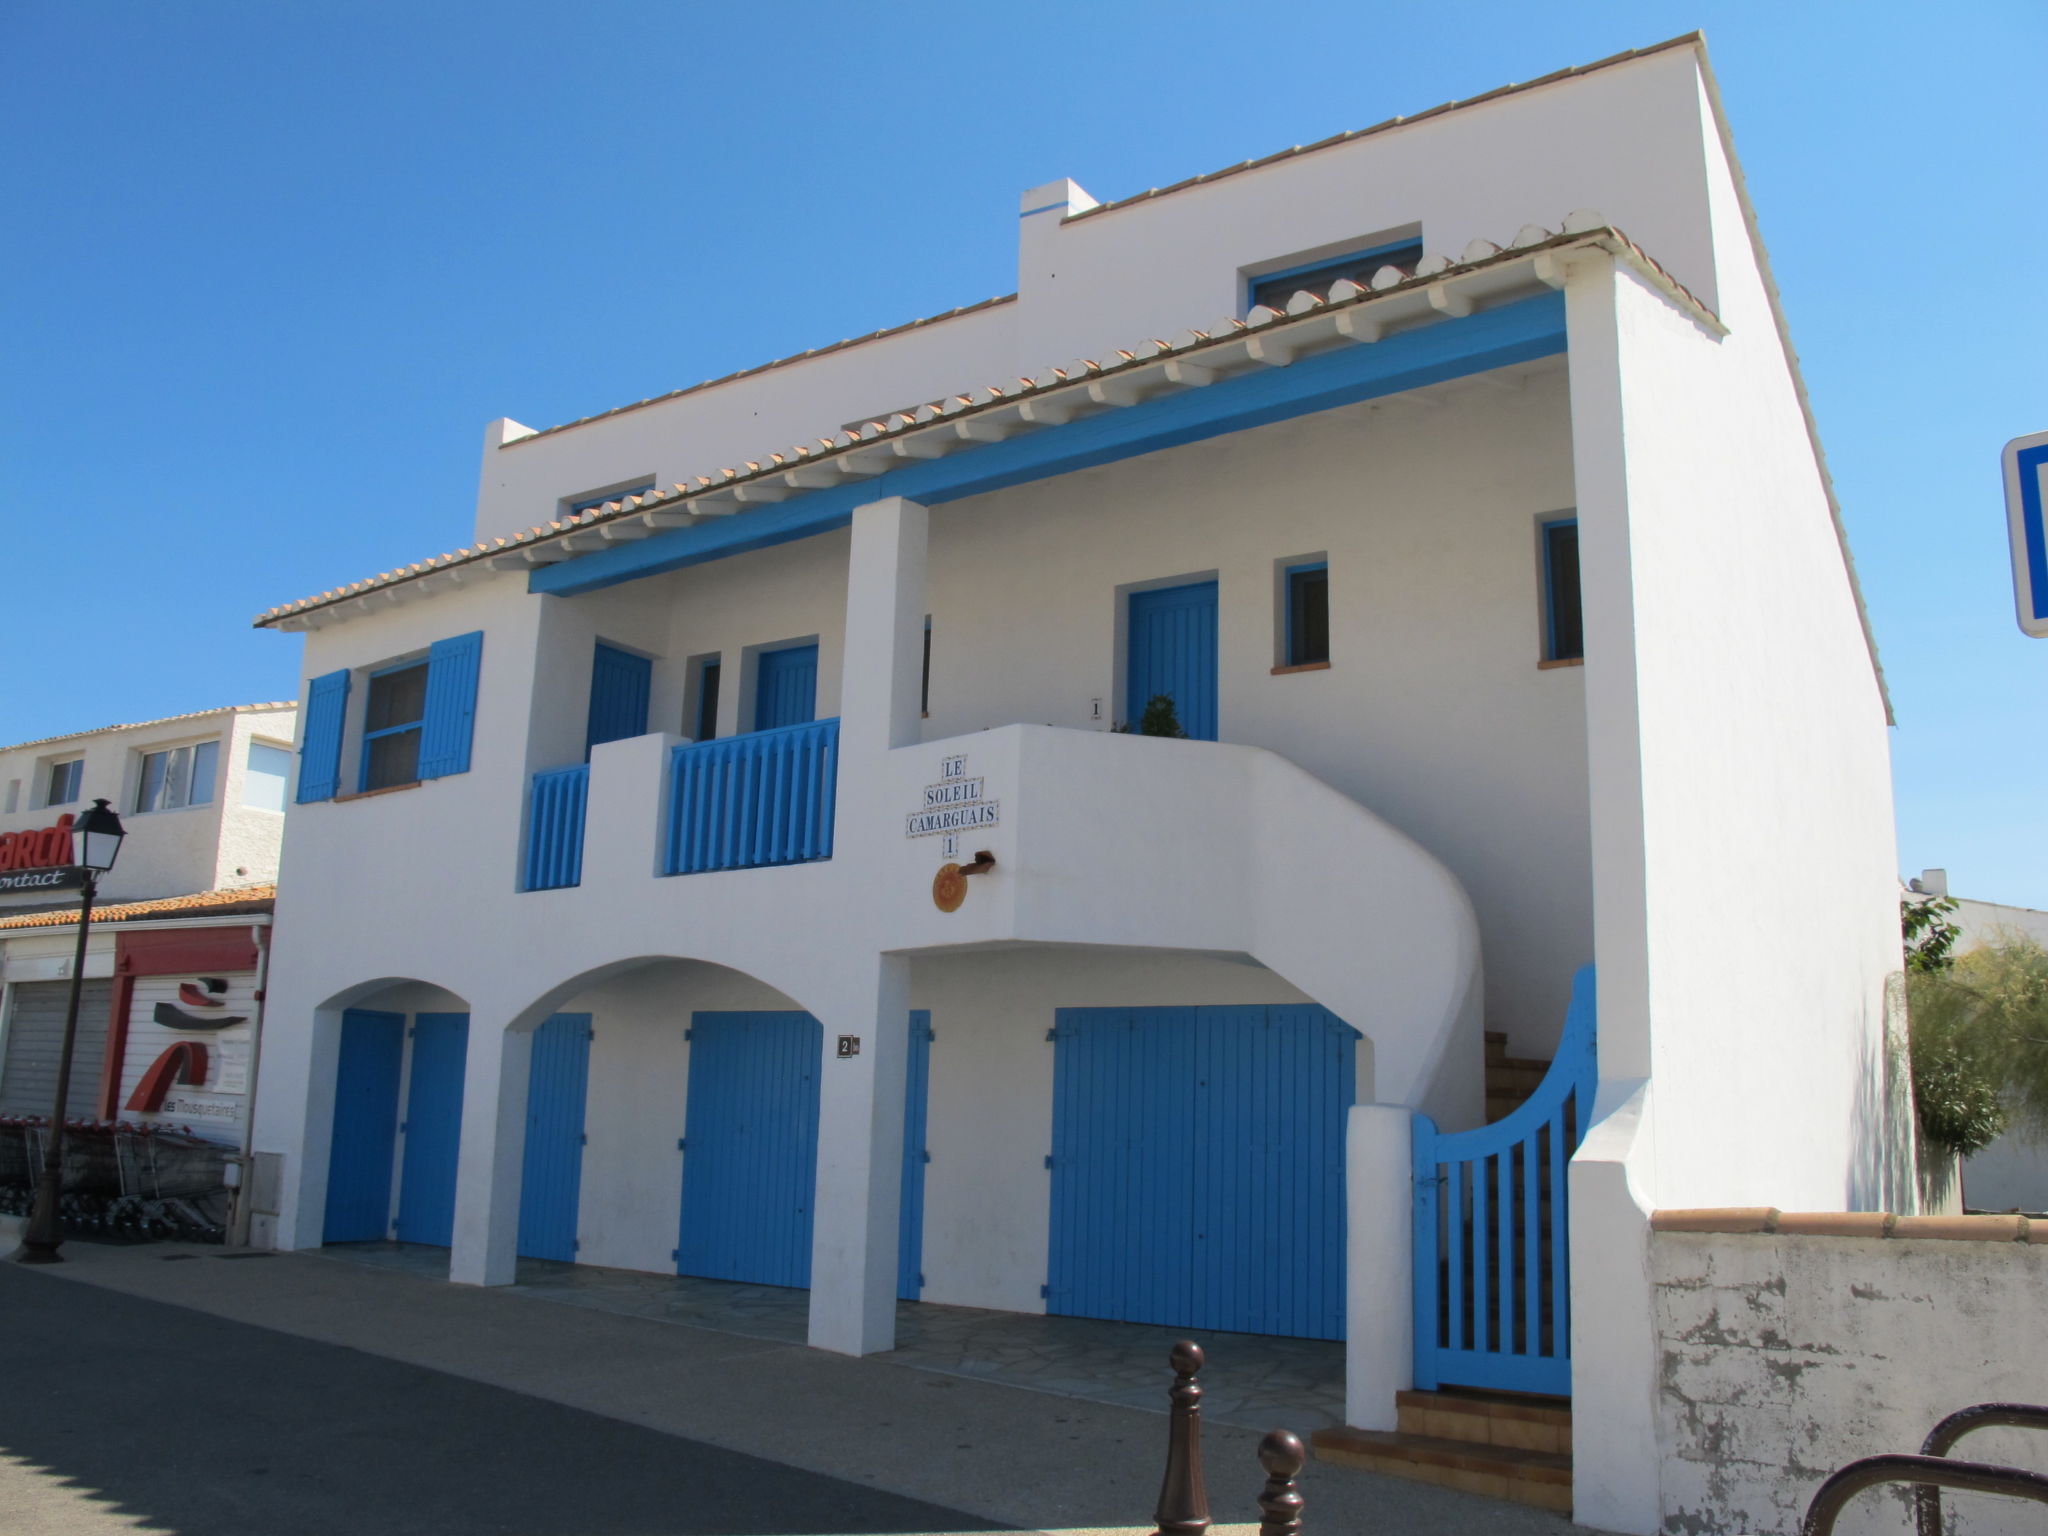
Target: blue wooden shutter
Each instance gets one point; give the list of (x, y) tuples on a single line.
[(320, 747), (451, 704), (916, 1090), (433, 1129), (619, 683)]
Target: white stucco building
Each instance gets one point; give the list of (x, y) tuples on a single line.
[(1454, 478), (186, 907)]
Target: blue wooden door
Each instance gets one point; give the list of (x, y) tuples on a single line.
[(751, 1150), (1172, 650), (1198, 1167), (551, 1184), (433, 1129), (916, 1094), (365, 1127), (619, 681), (785, 687)]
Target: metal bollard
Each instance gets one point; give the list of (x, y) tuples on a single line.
[(1183, 1501), (1281, 1454)]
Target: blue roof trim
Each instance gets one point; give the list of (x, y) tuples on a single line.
[(1494, 338)]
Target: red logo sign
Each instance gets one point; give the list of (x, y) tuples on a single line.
[(44, 848)]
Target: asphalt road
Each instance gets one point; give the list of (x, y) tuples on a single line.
[(118, 1413)]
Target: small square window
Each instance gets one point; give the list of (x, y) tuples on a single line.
[(178, 777), (392, 714), (1308, 613), (263, 781), (65, 782), (1564, 631)]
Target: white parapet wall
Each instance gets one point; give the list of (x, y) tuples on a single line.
[(1788, 1345)]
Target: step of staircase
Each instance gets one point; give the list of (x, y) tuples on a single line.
[(1509, 1079), (1497, 1444)]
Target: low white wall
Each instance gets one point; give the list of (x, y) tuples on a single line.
[(1781, 1357)]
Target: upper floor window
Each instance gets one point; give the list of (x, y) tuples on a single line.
[(392, 716), (1274, 289), (1308, 613), (1564, 630), (598, 499), (65, 782), (178, 776), (264, 779)]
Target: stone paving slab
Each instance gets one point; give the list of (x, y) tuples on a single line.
[(986, 1449)]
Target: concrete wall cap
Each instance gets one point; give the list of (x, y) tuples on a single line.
[(1733, 1218), (1761, 1220)]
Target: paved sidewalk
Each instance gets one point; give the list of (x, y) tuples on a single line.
[(988, 1451), (1251, 1381)]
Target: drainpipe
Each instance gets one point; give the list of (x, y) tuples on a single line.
[(245, 1164)]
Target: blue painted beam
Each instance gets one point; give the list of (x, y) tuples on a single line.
[(1449, 349)]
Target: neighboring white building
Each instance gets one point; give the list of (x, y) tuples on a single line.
[(794, 784), (186, 905)]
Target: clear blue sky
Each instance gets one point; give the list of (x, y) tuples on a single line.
[(269, 268)]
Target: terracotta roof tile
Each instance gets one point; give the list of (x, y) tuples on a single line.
[(244, 899)]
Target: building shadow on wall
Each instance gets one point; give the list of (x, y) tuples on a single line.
[(1882, 1174)]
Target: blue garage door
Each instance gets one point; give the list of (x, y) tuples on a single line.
[(618, 696), (916, 1093), (786, 687), (551, 1183), (1172, 644), (365, 1127), (433, 1129), (1198, 1167), (750, 1158)]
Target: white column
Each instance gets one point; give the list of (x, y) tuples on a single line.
[(1379, 1194), (487, 1175), (1612, 1179), (884, 654), (860, 1111), (295, 1116), (860, 1165)]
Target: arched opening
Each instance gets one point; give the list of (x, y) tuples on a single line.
[(394, 1147)]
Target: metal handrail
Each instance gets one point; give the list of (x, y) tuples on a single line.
[(1943, 1437), (1925, 1472)]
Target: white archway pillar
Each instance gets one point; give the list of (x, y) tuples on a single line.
[(486, 1243), (855, 1214)]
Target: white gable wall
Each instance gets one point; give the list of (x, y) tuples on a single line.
[(1154, 268)]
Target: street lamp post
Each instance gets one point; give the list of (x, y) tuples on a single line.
[(96, 840)]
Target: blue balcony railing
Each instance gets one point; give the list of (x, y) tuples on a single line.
[(753, 800), (554, 832)]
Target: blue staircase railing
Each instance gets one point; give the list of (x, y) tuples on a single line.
[(748, 801), (1492, 1242), (554, 828)]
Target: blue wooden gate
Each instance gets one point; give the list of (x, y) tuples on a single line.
[(1492, 1238), (785, 687), (365, 1127), (750, 1156), (551, 1183), (1198, 1167), (433, 1129), (1172, 650), (916, 1092), (619, 683)]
